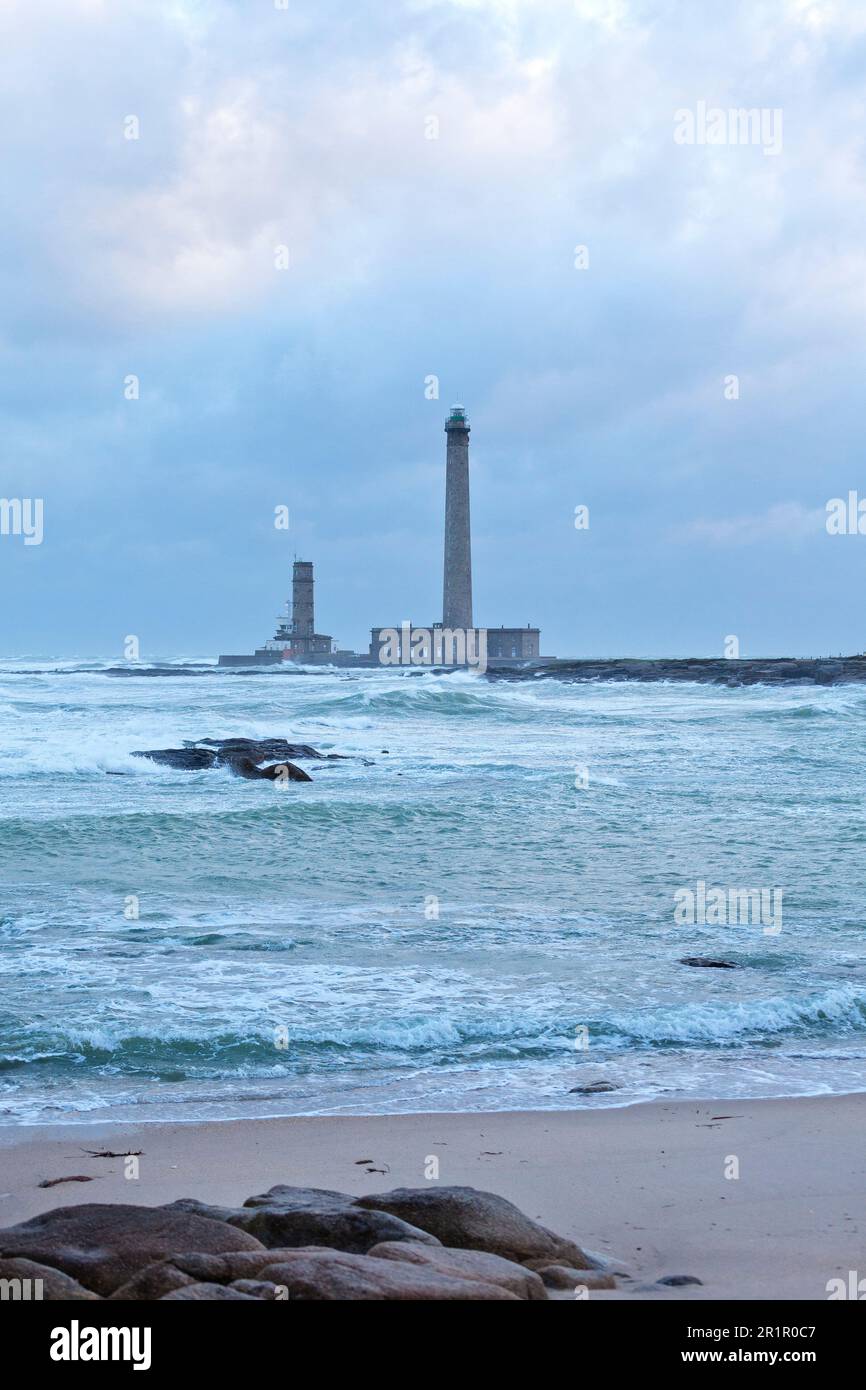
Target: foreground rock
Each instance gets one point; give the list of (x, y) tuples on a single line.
[(320, 1275), (478, 1266), (38, 1281), (296, 1216), (308, 1244), (104, 1246), (210, 1292), (466, 1219), (182, 1270)]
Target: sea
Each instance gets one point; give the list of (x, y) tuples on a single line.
[(474, 909)]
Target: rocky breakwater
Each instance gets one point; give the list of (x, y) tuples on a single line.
[(444, 1243), (730, 671)]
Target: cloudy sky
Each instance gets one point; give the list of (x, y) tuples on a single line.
[(430, 167)]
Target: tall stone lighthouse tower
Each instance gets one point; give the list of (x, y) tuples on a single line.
[(457, 589)]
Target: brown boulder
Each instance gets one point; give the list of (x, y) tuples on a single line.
[(290, 1217), (191, 1267), (323, 1275), (104, 1246), (474, 1265), (206, 1292), (259, 1288), (197, 1208), (155, 1281), (54, 1284), (465, 1218)]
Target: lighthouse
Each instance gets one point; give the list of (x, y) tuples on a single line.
[(457, 586), (453, 642)]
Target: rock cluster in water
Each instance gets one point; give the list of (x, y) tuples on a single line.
[(443, 1243), (244, 756)]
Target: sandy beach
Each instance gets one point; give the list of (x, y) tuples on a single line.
[(645, 1186)]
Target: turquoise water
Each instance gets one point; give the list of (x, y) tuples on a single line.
[(312, 908)]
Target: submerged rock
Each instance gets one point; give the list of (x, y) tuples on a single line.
[(708, 963)]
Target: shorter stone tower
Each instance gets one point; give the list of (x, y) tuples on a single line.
[(303, 616)]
